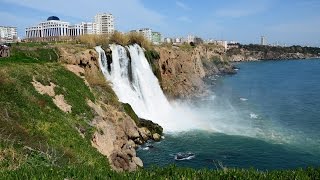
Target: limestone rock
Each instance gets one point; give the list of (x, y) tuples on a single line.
[(137, 161), (182, 71), (156, 137), (145, 133)]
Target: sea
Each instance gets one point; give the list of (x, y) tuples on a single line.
[(266, 117)]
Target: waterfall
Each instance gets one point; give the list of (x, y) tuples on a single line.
[(134, 82)]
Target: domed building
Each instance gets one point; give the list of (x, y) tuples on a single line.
[(53, 18), (54, 29)]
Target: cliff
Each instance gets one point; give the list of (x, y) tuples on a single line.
[(256, 52), (182, 70)]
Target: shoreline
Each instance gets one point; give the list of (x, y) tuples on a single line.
[(277, 59)]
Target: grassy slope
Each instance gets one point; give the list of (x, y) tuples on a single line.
[(33, 130), (39, 141)]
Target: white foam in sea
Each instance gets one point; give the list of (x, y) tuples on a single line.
[(253, 116)]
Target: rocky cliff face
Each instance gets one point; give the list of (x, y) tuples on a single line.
[(246, 55), (182, 71), (117, 135)]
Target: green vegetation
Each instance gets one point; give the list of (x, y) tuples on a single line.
[(128, 109), (151, 126), (187, 47), (31, 53), (291, 49), (170, 172), (218, 61), (276, 49), (34, 132)]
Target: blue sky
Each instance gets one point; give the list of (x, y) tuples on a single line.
[(283, 21)]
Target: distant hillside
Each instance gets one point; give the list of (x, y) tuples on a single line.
[(258, 52)]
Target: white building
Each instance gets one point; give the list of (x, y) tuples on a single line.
[(263, 41), (219, 42), (88, 27), (55, 28), (177, 40), (104, 24), (223, 43), (147, 33), (190, 38), (167, 40), (8, 34)]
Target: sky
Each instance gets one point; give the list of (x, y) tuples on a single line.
[(280, 21)]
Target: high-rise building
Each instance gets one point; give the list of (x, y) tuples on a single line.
[(263, 41), (8, 34), (104, 24)]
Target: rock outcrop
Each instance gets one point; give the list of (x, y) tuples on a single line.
[(242, 54), (58, 100), (182, 71), (117, 135), (4, 51)]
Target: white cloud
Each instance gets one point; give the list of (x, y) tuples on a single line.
[(183, 5), (129, 14), (184, 19)]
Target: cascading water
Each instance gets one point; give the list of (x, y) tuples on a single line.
[(134, 82)]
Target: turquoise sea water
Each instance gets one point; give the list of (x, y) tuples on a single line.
[(267, 116)]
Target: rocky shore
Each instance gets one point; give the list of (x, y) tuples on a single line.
[(256, 53)]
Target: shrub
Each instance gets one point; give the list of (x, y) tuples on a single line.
[(136, 38), (118, 38)]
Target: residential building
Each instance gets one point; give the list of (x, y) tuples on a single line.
[(156, 38), (263, 41), (104, 24), (177, 40), (221, 43), (190, 39), (88, 27), (233, 45), (8, 34), (147, 33), (167, 40)]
